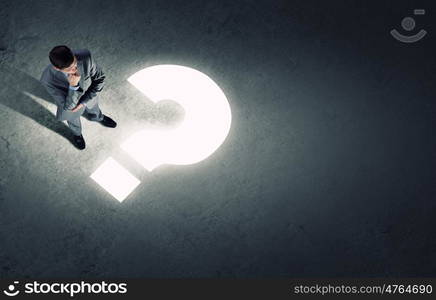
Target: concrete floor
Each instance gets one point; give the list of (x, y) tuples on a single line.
[(328, 170)]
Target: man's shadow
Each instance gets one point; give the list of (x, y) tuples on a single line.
[(17, 87)]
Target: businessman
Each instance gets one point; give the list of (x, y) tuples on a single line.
[(74, 80)]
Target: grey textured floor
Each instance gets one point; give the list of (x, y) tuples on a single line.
[(328, 170)]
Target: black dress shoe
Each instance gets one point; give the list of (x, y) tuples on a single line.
[(79, 142), (108, 122)]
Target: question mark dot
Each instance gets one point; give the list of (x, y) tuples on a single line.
[(115, 179)]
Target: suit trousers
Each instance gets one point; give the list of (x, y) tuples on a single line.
[(91, 111)]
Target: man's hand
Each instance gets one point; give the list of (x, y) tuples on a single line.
[(78, 107), (74, 79)]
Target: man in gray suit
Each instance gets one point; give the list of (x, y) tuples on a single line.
[(74, 79)]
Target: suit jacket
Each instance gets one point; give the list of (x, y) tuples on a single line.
[(57, 85)]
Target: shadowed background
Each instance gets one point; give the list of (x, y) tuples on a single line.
[(328, 169)]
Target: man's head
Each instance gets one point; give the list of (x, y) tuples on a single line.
[(63, 59)]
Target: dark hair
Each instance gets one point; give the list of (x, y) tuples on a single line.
[(61, 57)]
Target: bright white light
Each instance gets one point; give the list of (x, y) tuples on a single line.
[(115, 179), (206, 124), (204, 128)]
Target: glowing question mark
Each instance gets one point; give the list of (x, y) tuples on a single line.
[(204, 128)]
